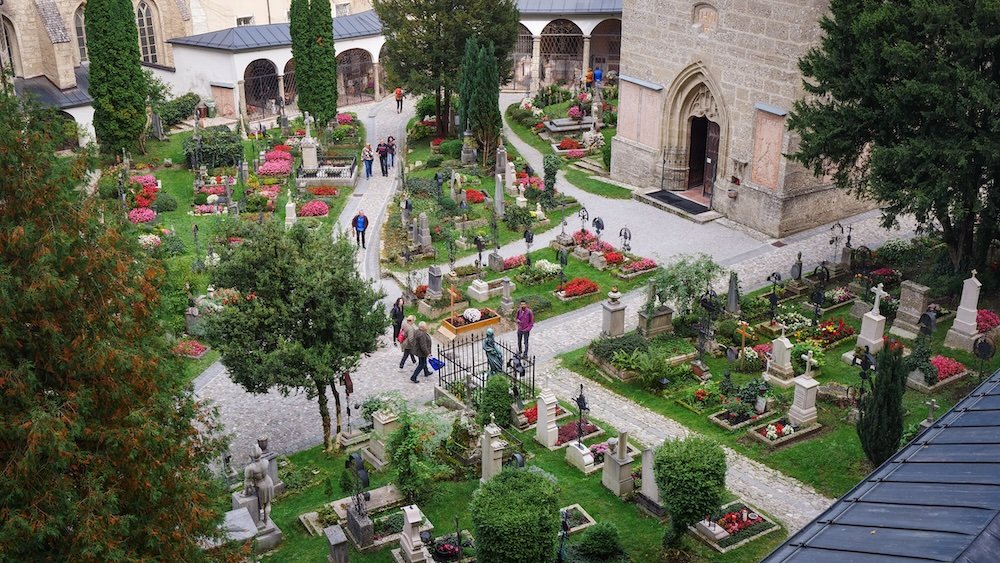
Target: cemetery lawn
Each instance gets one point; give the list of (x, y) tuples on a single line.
[(526, 135), (593, 185)]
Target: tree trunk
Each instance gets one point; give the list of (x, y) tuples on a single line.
[(446, 113), (336, 406), (324, 414)]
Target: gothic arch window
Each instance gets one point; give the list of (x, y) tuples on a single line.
[(10, 55), (145, 20), (81, 34)]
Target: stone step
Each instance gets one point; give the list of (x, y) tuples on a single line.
[(588, 165)]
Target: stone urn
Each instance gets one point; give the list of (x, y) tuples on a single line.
[(614, 295)]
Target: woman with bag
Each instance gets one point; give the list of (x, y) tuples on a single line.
[(397, 316), (406, 339), (368, 157)]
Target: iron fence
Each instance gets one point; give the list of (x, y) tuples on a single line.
[(466, 369)]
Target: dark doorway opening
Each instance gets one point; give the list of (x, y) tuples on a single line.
[(696, 160)]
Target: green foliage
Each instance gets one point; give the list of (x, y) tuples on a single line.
[(691, 476), (311, 27), (467, 78), (517, 218), (901, 253), (389, 401), (685, 326), (537, 303), (550, 165), (496, 401), (451, 148), (606, 154), (178, 109), (551, 94), (920, 359), (683, 281), (201, 198), (426, 105), (802, 348), (600, 542), (165, 202), (605, 347), (881, 424), (170, 246), (117, 84), (346, 483), (411, 459), (107, 185), (725, 329), (754, 307), (483, 107), (515, 517), (219, 147), (434, 160)]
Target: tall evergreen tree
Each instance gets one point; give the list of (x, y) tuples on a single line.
[(881, 424), (104, 450), (468, 76), (484, 103), (117, 83), (305, 316), (301, 32), (324, 62), (904, 108)]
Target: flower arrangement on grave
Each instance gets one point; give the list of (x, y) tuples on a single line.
[(146, 196), (601, 246), (145, 181), (277, 155), (529, 182), (527, 103), (314, 208), (420, 291), (763, 350), (205, 209), (298, 132), (833, 331), (839, 295), (190, 349), (574, 154), (531, 413), (212, 190), (777, 430), (275, 168), (793, 320), (752, 361), (547, 267), (640, 265), (472, 314), (568, 431), (344, 119), (141, 215), (947, 367), (986, 320), (514, 262), (323, 191), (583, 237), (613, 257), (149, 242), (437, 142), (286, 148), (579, 286), (738, 520), (887, 276), (599, 450), (569, 143), (574, 112), (474, 196)]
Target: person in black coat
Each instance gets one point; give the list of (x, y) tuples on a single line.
[(397, 316)]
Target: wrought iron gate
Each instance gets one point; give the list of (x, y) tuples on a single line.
[(466, 369)]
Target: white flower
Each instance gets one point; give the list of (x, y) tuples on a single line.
[(772, 432), (212, 199), (212, 259), (527, 103), (149, 242), (787, 430), (547, 267), (472, 315), (537, 112)]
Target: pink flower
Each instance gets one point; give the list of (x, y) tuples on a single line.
[(204, 209), (314, 208), (344, 118), (275, 167), (986, 320), (514, 262), (576, 153), (146, 180), (640, 265), (574, 112), (946, 367), (141, 215), (277, 155)]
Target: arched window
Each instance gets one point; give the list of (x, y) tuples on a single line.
[(10, 57), (81, 34), (145, 21)]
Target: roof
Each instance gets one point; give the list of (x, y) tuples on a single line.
[(937, 499), (47, 93), (270, 36), (570, 6)]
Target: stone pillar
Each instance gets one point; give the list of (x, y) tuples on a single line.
[(803, 411), (613, 322), (272, 465), (411, 547), (546, 431), (617, 473), (536, 65), (290, 217), (913, 301), (586, 56), (506, 299), (500, 166), (361, 527), (963, 332), (337, 542), (434, 283), (498, 197), (378, 80), (492, 447), (281, 89), (243, 104), (779, 369)]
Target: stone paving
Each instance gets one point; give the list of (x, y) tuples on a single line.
[(292, 421)]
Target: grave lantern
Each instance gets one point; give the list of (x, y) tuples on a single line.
[(584, 216), (598, 226), (529, 237), (626, 235), (581, 404)]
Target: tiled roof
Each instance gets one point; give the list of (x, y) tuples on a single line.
[(46, 92), (937, 499), (253, 37), (570, 6), (52, 20)]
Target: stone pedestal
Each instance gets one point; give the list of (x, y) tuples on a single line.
[(360, 528), (649, 493), (613, 321), (579, 456), (495, 262), (913, 301), (617, 471), (290, 217), (963, 333), (546, 430), (310, 161), (434, 283), (492, 447), (248, 502), (268, 535), (337, 542), (272, 470), (779, 370), (383, 424), (872, 331), (506, 298), (711, 531), (521, 201), (803, 411), (597, 261), (660, 322), (411, 547), (478, 291), (562, 242)]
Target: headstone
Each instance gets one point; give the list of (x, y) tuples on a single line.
[(803, 410), (879, 294), (510, 174), (290, 217), (578, 455), (498, 197), (492, 447), (360, 527), (501, 161), (711, 531), (468, 150), (733, 299), (613, 321), (872, 330), (963, 333), (506, 299), (425, 242), (649, 492), (810, 364), (451, 187), (478, 291), (414, 232), (310, 158), (540, 213), (521, 201), (434, 283), (617, 473), (598, 261), (913, 301), (779, 369), (337, 542), (546, 430), (383, 424), (496, 261), (411, 547)]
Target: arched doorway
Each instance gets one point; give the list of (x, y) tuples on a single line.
[(606, 46), (260, 79), (521, 75), (383, 76), (561, 53), (64, 130), (355, 77), (704, 155), (289, 82)]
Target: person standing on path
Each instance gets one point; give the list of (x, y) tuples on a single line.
[(421, 348), (588, 79), (397, 316), (368, 156), (525, 321), (409, 330), (383, 156), (598, 75), (391, 147), (360, 223), (399, 100)]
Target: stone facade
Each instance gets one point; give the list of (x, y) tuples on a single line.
[(734, 63)]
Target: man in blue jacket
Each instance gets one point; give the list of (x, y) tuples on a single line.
[(360, 223)]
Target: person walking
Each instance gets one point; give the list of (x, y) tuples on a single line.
[(397, 315), (421, 348), (408, 331), (399, 100), (368, 156), (383, 155), (391, 146), (360, 224), (525, 321), (598, 75), (589, 79)]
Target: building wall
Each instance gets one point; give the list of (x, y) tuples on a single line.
[(213, 15)]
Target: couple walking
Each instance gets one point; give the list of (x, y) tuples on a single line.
[(413, 339), (386, 151)]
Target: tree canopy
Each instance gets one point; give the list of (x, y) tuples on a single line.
[(691, 476), (483, 112), (302, 316), (104, 450), (515, 516), (880, 425), (904, 108), (311, 26)]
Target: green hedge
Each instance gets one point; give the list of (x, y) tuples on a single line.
[(178, 109), (515, 517)]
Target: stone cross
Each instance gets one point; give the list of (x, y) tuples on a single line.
[(810, 363), (309, 120), (782, 326), (879, 294), (931, 407)]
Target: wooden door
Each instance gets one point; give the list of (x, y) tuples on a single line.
[(711, 158)]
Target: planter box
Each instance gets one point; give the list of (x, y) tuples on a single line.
[(823, 311), (660, 322), (586, 437), (608, 368), (722, 423), (590, 520), (560, 297), (915, 381), (771, 527), (621, 275), (452, 331), (797, 436)]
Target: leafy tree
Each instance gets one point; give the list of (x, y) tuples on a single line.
[(105, 450), (425, 40), (409, 457), (691, 475), (304, 315), (467, 78), (323, 63), (682, 282), (904, 107), (117, 83), (881, 423), (496, 401), (515, 516), (484, 103)]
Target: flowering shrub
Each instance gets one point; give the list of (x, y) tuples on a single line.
[(205, 209), (514, 262), (612, 257), (946, 367), (213, 199), (190, 348), (839, 295), (531, 413), (833, 330), (149, 242), (277, 155), (420, 291), (599, 450), (640, 265), (583, 237), (286, 148), (776, 430), (579, 286), (472, 314), (314, 208), (146, 196), (344, 119), (700, 395), (752, 361), (792, 320), (141, 215), (323, 190), (568, 143), (986, 320), (437, 142), (568, 432), (762, 350), (576, 153), (547, 267), (474, 196), (574, 112), (887, 276), (212, 190), (145, 180), (275, 168)]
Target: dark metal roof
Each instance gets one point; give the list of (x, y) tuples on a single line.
[(570, 6), (937, 499), (45, 92), (253, 37)]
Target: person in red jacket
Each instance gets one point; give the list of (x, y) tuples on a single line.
[(525, 321), (399, 100)]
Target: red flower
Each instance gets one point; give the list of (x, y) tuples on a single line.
[(437, 142), (613, 257), (579, 286), (474, 196), (420, 291), (569, 143)]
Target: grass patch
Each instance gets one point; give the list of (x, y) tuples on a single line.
[(592, 185), (528, 136)]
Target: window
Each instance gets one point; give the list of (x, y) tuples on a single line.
[(247, 20), (343, 9), (81, 34), (147, 32), (9, 55)]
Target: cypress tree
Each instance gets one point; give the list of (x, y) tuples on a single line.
[(299, 27), (484, 102), (323, 75), (881, 423), (468, 76), (117, 83)]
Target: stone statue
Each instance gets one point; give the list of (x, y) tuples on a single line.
[(493, 355), (257, 482)]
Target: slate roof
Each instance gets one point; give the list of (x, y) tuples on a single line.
[(570, 6), (46, 92), (269, 36), (937, 499)]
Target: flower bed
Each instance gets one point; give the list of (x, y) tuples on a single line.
[(277, 155), (569, 143), (734, 421), (886, 276), (743, 524), (839, 295), (577, 287), (514, 262), (833, 331), (576, 154), (781, 432), (947, 367), (314, 208), (568, 432), (458, 324), (577, 518), (322, 191), (190, 349), (208, 209), (141, 215), (986, 320), (149, 242), (531, 413), (212, 190), (636, 268), (474, 196), (583, 237)]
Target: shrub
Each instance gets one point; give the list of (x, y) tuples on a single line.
[(219, 147), (691, 476), (514, 262), (451, 149), (753, 308), (900, 253), (605, 348), (434, 160), (685, 326), (606, 155), (170, 246), (141, 215), (515, 518), (426, 106), (412, 463), (178, 109), (165, 202), (420, 186), (801, 348), (495, 401), (474, 196), (682, 282), (881, 423), (600, 542), (537, 303)]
